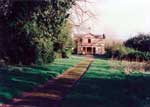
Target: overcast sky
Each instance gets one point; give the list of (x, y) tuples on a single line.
[(119, 19)]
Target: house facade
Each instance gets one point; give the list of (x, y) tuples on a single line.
[(90, 44)]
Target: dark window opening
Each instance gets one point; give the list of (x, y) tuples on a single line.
[(83, 48), (89, 40), (80, 40)]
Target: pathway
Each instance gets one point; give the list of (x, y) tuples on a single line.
[(52, 93)]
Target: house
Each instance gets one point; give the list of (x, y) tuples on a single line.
[(89, 44)]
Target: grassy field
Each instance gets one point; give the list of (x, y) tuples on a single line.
[(105, 85), (14, 80)]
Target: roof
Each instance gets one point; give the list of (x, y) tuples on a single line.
[(90, 34)]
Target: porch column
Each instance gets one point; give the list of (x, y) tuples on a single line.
[(78, 50), (85, 50), (92, 50), (81, 50)]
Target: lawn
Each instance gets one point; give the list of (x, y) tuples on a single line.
[(15, 80), (107, 86)]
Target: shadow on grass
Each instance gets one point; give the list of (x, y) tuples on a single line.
[(51, 93), (103, 57), (104, 87), (48, 96), (132, 91), (15, 80)]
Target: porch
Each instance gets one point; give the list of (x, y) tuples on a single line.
[(88, 50)]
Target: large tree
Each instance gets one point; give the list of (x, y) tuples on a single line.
[(30, 29), (140, 42)]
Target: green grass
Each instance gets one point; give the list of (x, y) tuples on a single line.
[(103, 86), (15, 80)]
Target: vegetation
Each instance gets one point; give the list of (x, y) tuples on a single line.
[(134, 49), (139, 56), (16, 79), (64, 49), (130, 67), (124, 53), (106, 86), (118, 51), (30, 30), (141, 42)]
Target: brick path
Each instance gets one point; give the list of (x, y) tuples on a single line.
[(52, 93)]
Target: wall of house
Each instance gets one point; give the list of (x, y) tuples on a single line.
[(97, 42)]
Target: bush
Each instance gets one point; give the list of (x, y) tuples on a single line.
[(138, 56), (118, 51), (123, 53)]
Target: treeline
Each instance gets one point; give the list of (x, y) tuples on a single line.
[(34, 32), (134, 49)]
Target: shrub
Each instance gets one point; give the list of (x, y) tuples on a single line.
[(118, 51), (124, 53), (138, 56)]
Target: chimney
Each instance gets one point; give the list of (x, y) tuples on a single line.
[(104, 37)]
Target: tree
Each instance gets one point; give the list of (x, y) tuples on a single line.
[(29, 29), (140, 42), (65, 40)]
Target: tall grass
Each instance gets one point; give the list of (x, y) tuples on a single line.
[(130, 66)]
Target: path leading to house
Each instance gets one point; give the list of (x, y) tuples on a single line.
[(52, 93)]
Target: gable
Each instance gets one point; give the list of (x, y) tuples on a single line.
[(89, 36)]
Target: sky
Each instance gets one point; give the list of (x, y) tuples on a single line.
[(119, 19)]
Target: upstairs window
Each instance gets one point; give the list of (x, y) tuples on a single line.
[(89, 40), (81, 40)]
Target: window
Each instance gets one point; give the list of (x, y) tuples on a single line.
[(83, 48), (76, 42), (81, 40), (89, 40)]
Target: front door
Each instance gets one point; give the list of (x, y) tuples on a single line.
[(89, 50)]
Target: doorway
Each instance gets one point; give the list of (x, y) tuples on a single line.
[(89, 50), (94, 51)]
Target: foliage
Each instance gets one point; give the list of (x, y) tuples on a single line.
[(139, 56), (30, 29), (118, 50), (65, 40), (124, 53), (110, 42), (141, 42)]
